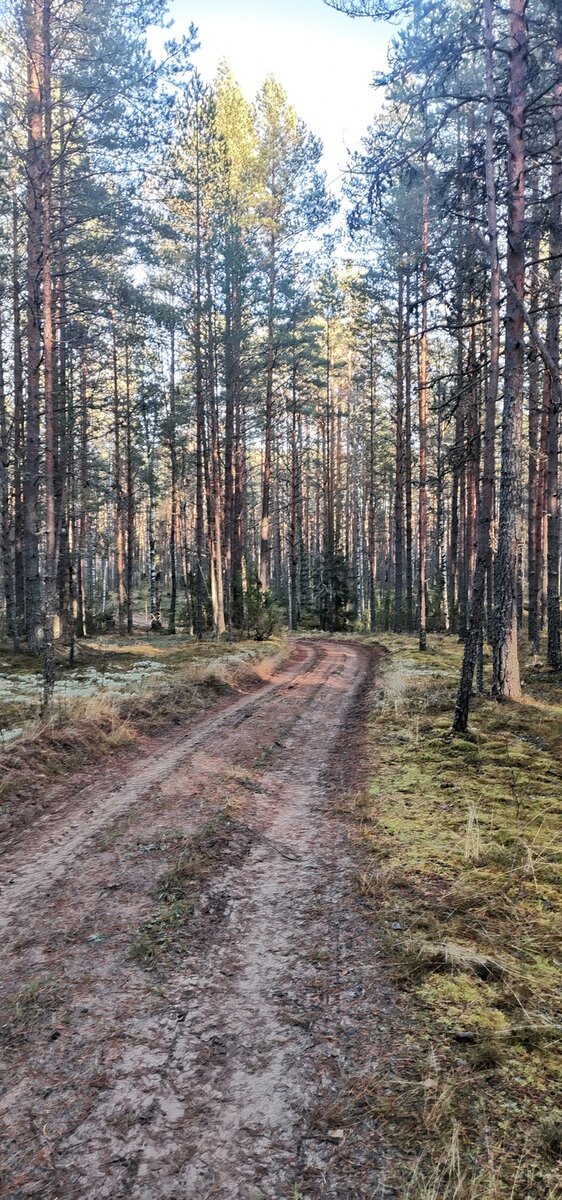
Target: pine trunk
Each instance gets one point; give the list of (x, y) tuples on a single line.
[(474, 639), (5, 515), (554, 388), (34, 157), (399, 460), (534, 423), (19, 436), (506, 683), (408, 462), (265, 549), (50, 570), (130, 504), (422, 516), (119, 497), (174, 498)]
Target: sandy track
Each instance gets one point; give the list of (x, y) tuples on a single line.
[(198, 1079), (47, 850)]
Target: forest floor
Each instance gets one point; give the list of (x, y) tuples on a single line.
[(460, 838), (235, 966), (120, 692), (117, 669)]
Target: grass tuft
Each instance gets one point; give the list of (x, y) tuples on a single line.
[(179, 890)]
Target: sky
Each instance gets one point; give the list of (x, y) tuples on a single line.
[(324, 60)]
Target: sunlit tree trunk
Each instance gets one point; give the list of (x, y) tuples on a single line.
[(265, 549), (215, 512), (5, 516), (200, 583), (329, 463), (81, 533), (174, 497), (408, 460), (534, 423), (130, 503), (119, 497), (506, 681), (19, 434), (34, 156), (422, 517), (486, 497), (554, 389), (230, 374)]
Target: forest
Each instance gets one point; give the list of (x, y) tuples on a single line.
[(210, 389), (280, 618)]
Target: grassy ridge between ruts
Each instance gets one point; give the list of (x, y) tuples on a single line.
[(462, 848), (86, 729)]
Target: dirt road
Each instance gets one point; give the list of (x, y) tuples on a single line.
[(163, 1050)]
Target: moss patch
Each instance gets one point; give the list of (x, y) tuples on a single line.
[(461, 842)]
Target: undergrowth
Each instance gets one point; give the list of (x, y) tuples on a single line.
[(462, 867)]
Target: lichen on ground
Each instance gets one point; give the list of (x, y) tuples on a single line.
[(120, 700), (111, 667)]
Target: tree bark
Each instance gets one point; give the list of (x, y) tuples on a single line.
[(506, 682), (486, 497), (5, 516), (50, 578), (119, 498), (174, 498), (19, 435), (294, 515), (399, 460), (34, 155), (130, 505), (81, 589), (329, 462), (422, 515), (372, 484), (554, 388), (534, 423), (215, 524), (408, 461), (200, 586), (265, 549)]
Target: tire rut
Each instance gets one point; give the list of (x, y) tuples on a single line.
[(24, 873), (196, 1081)]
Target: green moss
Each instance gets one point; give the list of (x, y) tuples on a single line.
[(461, 838), (463, 1002)]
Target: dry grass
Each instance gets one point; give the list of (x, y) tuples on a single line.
[(453, 957), (461, 851), (28, 1008), (47, 751)]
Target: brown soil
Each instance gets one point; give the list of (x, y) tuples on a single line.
[(212, 1070)]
